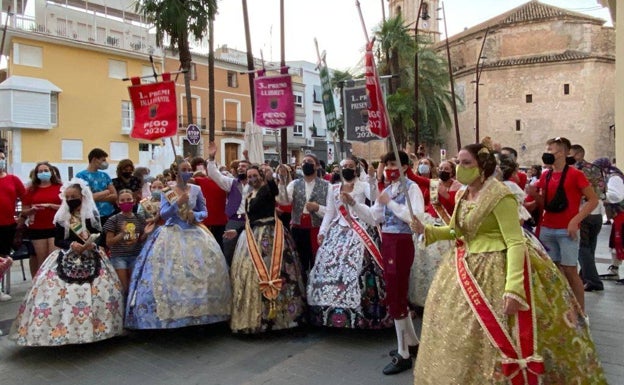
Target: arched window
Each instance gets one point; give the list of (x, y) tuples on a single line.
[(424, 12)]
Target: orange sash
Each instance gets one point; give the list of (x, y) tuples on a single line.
[(366, 239), (270, 285), (520, 362)]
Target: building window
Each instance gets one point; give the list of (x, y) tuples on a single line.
[(144, 147), (529, 98), (117, 69), (27, 55), (298, 99), (54, 109), (518, 124), (118, 150), (127, 115), (193, 72), (318, 94), (298, 129), (147, 74), (566, 89), (232, 79), (71, 149)]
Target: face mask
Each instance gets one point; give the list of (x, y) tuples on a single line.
[(103, 166), (254, 181), (392, 175), (186, 175), (548, 158), (44, 176), (423, 169), (126, 175), (348, 173), (2, 164), (156, 194), (570, 160), (299, 172), (242, 176), (126, 207), (467, 175), (73, 204), (308, 169), (444, 175)]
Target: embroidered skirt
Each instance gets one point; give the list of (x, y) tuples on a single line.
[(180, 279), (55, 312), (346, 287)]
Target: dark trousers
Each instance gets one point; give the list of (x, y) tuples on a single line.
[(217, 232), (397, 251), (590, 228), (305, 249), (229, 245)]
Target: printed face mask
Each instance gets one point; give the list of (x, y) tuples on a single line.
[(392, 174)]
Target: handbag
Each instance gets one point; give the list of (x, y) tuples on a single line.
[(560, 201), (78, 268)]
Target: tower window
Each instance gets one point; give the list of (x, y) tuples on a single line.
[(518, 125), (529, 98), (566, 89)]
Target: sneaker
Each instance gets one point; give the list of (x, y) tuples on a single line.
[(398, 365), (4, 297), (612, 273)]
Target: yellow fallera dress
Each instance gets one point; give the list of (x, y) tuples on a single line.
[(454, 347)]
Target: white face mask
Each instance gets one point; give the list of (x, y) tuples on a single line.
[(2, 164)]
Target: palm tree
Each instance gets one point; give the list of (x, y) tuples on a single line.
[(179, 20), (396, 49)]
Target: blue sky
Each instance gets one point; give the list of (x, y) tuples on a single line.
[(336, 24)]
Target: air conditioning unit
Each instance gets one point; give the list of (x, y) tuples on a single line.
[(309, 142)]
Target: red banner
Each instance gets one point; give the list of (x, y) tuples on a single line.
[(155, 109), (377, 117), (275, 103)]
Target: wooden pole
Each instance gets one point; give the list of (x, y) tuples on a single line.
[(283, 131), (250, 61), (478, 70), (416, 114), (451, 77)]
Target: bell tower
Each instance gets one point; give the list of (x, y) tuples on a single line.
[(428, 24)]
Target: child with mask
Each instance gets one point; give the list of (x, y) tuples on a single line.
[(125, 234)]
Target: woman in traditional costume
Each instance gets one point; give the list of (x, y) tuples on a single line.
[(268, 290), (76, 296), (498, 311), (437, 213), (346, 287), (181, 277)]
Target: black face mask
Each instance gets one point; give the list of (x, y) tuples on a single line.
[(548, 158), (308, 168), (444, 175), (242, 176), (570, 160), (73, 204), (126, 175), (348, 173)]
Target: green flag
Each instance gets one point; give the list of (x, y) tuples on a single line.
[(328, 98)]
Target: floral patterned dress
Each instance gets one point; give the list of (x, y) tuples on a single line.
[(56, 312), (346, 287)]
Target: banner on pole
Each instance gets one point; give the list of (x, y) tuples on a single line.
[(275, 102), (155, 109), (328, 98), (355, 103), (377, 115)]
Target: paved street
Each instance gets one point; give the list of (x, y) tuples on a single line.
[(211, 355)]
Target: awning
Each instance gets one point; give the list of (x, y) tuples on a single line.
[(25, 83)]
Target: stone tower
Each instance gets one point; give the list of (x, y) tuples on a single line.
[(428, 23)]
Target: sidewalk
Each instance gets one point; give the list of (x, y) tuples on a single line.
[(211, 355)]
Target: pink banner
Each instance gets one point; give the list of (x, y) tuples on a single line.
[(275, 103)]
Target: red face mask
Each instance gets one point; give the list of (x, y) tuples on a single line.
[(392, 175)]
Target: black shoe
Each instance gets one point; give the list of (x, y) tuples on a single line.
[(413, 351), (398, 365), (590, 287)]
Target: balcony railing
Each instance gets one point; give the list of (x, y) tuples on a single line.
[(233, 126), (183, 122), (47, 25)]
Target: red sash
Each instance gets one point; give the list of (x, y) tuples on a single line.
[(520, 363), (618, 237), (270, 285), (366, 239)]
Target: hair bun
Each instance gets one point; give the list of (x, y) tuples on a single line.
[(487, 142)]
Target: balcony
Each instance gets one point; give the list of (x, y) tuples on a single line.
[(183, 122), (233, 126)]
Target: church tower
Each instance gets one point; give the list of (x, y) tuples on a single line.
[(428, 22)]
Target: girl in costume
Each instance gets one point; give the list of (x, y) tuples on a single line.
[(267, 285), (346, 287), (498, 311), (180, 278), (76, 296)]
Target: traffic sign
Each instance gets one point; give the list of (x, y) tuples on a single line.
[(193, 134)]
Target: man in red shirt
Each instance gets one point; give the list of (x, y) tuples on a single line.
[(215, 200), (559, 227), (11, 189)]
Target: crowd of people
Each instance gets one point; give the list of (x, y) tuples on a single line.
[(486, 251)]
